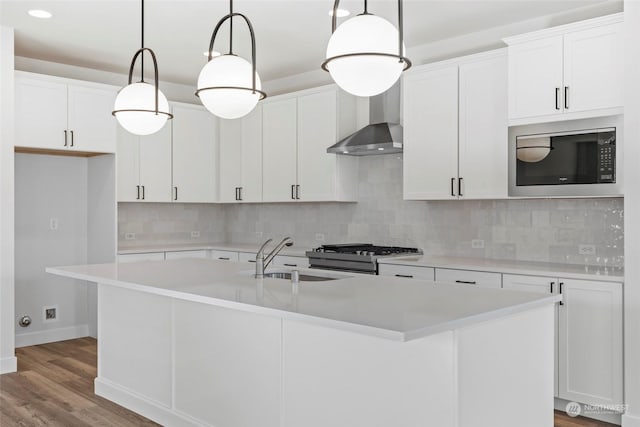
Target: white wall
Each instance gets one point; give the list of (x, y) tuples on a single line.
[(8, 362), (632, 216), (50, 187)]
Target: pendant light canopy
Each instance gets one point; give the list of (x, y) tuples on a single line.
[(141, 108), (228, 85), (365, 55), (533, 149)]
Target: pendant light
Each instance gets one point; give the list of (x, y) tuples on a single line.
[(141, 108), (365, 55), (228, 85), (533, 149)]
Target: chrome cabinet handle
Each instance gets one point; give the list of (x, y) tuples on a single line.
[(551, 287), (71, 132), (297, 192), (176, 196), (290, 265), (407, 276), (558, 98), (224, 258), (561, 284), (460, 186), (453, 180), (138, 196), (293, 190), (142, 192), (466, 282), (566, 97), (240, 193), (65, 138)]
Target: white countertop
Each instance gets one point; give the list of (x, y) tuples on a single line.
[(235, 247), (565, 271), (386, 307)]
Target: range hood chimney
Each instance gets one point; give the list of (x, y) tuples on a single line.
[(384, 133)]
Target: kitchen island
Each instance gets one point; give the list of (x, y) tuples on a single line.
[(202, 342)]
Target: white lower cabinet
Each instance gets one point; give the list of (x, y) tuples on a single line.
[(247, 257), (291, 261), (150, 256), (478, 278), (406, 271), (589, 329), (224, 255)]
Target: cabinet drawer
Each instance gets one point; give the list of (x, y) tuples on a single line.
[(247, 257), (479, 278), (224, 255), (408, 271), (291, 261), (185, 254), (151, 256)]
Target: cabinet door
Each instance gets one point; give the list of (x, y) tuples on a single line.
[(195, 152), (128, 166), (317, 115), (155, 165), (151, 256), (41, 114), (224, 255), (590, 342), (279, 150), (539, 285), (594, 68), (483, 129), (251, 166), (431, 135), (186, 254), (535, 78), (230, 160), (291, 261), (91, 125)]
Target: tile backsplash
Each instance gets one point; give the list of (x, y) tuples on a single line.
[(527, 230)]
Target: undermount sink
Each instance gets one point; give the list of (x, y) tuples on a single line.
[(286, 275)]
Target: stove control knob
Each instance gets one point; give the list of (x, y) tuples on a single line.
[(371, 253)]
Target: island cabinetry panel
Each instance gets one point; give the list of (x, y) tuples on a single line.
[(224, 255), (475, 278), (194, 154), (241, 158), (135, 343), (570, 72), (149, 256), (406, 271), (589, 336), (185, 254), (60, 114), (227, 366), (144, 166), (455, 129)]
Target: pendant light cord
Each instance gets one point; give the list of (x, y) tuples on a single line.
[(400, 31), (231, 27), (366, 7), (142, 43)]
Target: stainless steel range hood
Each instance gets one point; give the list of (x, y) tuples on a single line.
[(383, 135)]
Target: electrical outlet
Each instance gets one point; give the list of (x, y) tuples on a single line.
[(53, 224), (195, 234), (129, 236), (477, 244), (50, 314), (319, 237), (587, 249)]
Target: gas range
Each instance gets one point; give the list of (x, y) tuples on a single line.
[(355, 257)]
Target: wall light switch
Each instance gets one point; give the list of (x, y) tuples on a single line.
[(477, 244), (195, 234), (129, 236), (53, 224)]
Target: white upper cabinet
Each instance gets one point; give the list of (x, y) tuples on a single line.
[(241, 158), (279, 145), (195, 154), (297, 130), (569, 72), (455, 129), (144, 166), (60, 114)]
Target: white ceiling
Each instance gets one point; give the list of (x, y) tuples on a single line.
[(291, 35)]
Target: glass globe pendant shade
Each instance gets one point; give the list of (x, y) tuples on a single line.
[(365, 75), (225, 87), (135, 109), (532, 150)]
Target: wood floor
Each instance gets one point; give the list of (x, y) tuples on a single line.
[(54, 387)]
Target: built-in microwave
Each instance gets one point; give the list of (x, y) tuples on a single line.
[(570, 163)]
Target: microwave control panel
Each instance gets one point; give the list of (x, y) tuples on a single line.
[(607, 161)]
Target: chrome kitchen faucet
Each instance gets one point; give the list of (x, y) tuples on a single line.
[(262, 262)]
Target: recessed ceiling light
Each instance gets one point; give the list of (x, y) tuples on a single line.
[(340, 13), (38, 13), (213, 53)]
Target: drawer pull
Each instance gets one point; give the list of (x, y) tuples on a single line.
[(467, 282), (290, 265), (252, 260), (405, 276), (224, 258)]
